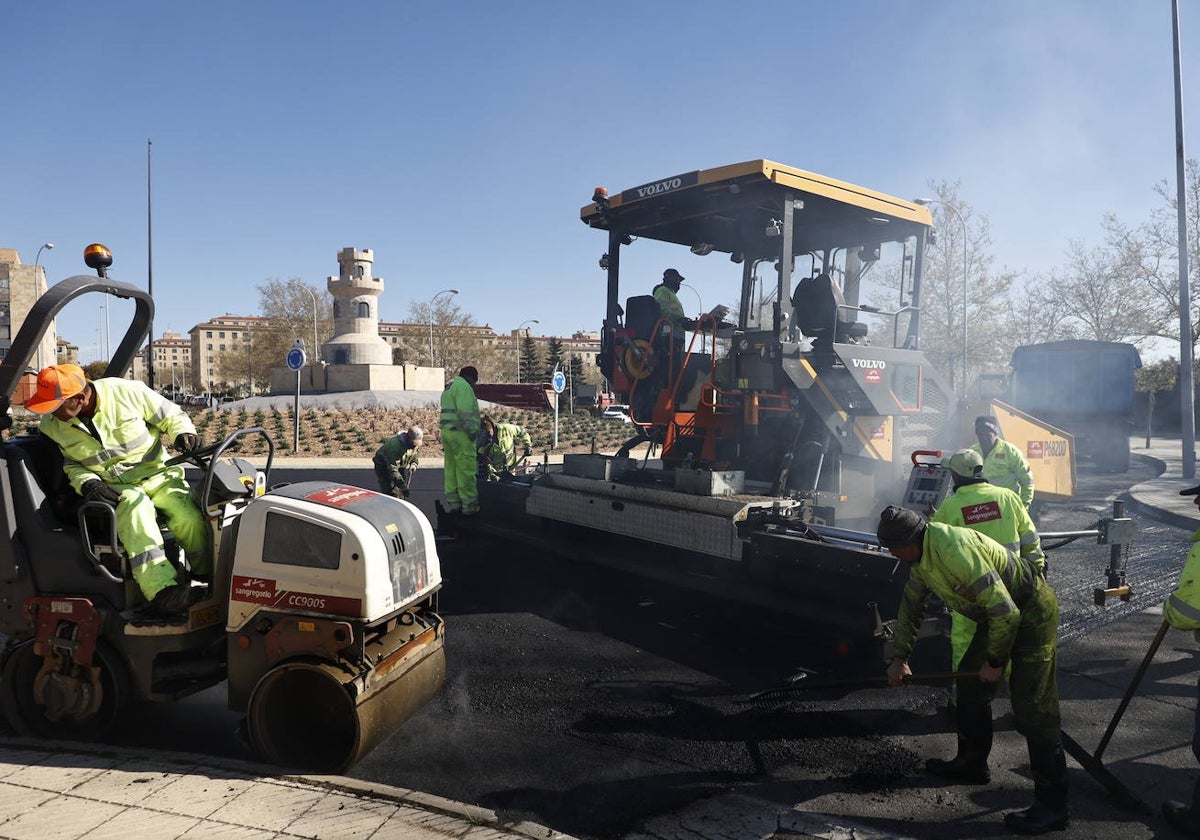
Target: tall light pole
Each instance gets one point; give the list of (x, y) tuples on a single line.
[(432, 306), (523, 323), (1187, 393), (49, 246), (961, 221), (700, 301), (316, 350)]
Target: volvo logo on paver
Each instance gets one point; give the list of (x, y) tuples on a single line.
[(660, 187), (868, 363)]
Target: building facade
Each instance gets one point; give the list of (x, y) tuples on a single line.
[(20, 287)]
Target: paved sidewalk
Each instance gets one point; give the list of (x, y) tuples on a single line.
[(58, 790)]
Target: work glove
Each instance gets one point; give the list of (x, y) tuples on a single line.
[(186, 442), (528, 451), (98, 491)]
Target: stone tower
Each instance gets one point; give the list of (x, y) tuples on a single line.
[(356, 294)]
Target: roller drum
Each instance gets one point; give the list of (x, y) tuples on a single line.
[(325, 716)]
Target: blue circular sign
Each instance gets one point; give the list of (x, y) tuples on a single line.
[(296, 358), (559, 381)]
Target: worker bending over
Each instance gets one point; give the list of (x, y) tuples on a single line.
[(498, 448), (396, 461), (1017, 614), (110, 434)]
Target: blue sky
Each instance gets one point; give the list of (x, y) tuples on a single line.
[(459, 140)]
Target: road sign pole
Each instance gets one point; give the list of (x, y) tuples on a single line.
[(296, 412), (558, 382), (296, 359)]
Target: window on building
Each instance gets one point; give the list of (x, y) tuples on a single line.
[(364, 309), (208, 334), (358, 271), (208, 347), (233, 335), (222, 346), (221, 335)]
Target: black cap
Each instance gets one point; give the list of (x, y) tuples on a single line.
[(673, 274), (1191, 491), (898, 526)]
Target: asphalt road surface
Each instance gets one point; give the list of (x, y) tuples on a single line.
[(593, 701)]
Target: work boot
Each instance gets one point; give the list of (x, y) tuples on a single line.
[(969, 767), (1182, 818), (1049, 810), (175, 599)]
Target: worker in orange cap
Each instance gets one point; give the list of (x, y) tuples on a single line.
[(110, 433)]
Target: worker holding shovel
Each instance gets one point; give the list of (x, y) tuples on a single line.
[(1017, 616), (1182, 611)]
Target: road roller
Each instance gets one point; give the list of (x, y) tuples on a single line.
[(320, 612)]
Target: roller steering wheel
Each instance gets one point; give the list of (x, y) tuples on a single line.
[(198, 456)]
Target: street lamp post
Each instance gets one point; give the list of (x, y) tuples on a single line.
[(432, 305), (316, 350), (49, 246), (523, 323), (961, 221), (700, 301)]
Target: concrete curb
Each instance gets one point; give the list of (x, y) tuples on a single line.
[(185, 763), (1152, 487)]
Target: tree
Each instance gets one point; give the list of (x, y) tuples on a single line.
[(577, 369), (457, 340), (1150, 379), (246, 365), (531, 359), (554, 357), (288, 307), (95, 370)]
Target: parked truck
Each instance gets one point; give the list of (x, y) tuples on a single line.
[(1084, 387)]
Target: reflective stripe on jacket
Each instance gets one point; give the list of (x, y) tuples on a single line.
[(1005, 466), (130, 420), (996, 512), (460, 408), (973, 575), (1182, 607)]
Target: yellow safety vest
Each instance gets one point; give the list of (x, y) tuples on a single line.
[(996, 512), (973, 575), (460, 408), (1182, 607), (130, 421), (1005, 466)]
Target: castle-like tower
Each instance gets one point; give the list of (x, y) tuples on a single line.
[(356, 294)]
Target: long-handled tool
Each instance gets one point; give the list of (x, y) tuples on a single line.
[(1123, 797), (801, 683)]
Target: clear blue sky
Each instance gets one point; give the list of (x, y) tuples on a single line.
[(459, 140)]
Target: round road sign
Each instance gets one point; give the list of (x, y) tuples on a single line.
[(296, 358), (558, 381)]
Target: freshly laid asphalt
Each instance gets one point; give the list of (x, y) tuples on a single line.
[(68, 790)]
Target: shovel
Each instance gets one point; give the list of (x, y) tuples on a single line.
[(800, 683), (1123, 797)]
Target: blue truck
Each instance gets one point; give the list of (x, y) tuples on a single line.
[(1084, 387)]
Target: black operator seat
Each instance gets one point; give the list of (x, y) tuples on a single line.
[(46, 508), (641, 314), (817, 303)]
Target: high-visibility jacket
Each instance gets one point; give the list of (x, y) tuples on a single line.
[(129, 421), (1005, 466), (1182, 607), (396, 460), (460, 408), (996, 512), (671, 309), (973, 575), (501, 453)]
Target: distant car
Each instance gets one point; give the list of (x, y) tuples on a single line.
[(617, 412)]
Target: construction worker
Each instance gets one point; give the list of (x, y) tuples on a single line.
[(396, 461), (110, 432), (1182, 611), (498, 448), (991, 510), (1004, 465), (460, 426), (1009, 597)]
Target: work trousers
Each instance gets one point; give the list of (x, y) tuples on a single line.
[(1033, 682), (137, 528), (387, 484), (462, 495)]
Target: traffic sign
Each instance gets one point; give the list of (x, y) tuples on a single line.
[(296, 358), (558, 381)]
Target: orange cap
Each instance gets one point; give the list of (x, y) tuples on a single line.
[(55, 384)]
